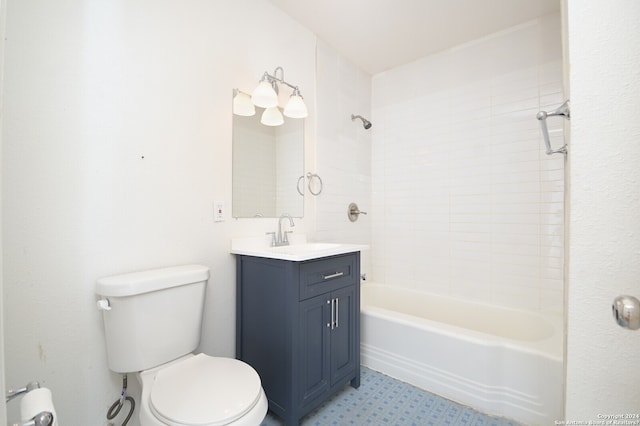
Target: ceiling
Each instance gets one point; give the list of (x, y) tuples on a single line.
[(377, 35)]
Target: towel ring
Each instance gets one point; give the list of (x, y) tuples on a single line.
[(310, 176)]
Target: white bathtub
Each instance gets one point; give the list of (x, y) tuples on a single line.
[(500, 361)]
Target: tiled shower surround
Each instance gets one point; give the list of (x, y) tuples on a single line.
[(465, 202)]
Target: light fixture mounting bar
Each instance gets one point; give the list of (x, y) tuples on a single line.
[(281, 80)]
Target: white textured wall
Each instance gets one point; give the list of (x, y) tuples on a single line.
[(91, 87), (2, 321), (465, 201), (604, 229)]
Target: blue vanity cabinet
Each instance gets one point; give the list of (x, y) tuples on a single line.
[(298, 325)]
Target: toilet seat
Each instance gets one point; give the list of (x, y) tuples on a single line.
[(204, 391)]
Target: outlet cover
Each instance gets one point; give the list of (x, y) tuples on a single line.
[(219, 212)]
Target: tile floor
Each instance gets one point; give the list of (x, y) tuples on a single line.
[(382, 400)]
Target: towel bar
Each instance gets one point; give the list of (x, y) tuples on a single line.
[(562, 110)]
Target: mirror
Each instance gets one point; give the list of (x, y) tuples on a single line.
[(267, 163)]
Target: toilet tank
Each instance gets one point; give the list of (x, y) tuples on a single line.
[(152, 317)]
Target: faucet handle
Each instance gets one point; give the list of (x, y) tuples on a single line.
[(273, 238), (285, 239)]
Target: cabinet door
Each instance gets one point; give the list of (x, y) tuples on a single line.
[(343, 335), (314, 331)]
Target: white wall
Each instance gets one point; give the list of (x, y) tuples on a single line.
[(465, 201), (604, 229), (3, 407), (116, 142)]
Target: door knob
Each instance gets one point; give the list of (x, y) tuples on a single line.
[(626, 311)]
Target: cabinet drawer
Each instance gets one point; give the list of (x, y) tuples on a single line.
[(327, 274)]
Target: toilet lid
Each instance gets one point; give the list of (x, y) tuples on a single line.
[(204, 391)]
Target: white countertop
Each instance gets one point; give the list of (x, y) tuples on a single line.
[(298, 250)]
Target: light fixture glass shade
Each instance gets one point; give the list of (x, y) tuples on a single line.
[(272, 117), (264, 96), (242, 105), (296, 108)]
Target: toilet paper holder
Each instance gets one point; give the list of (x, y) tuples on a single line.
[(11, 393), (44, 418)]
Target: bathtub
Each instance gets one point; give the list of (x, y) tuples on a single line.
[(500, 361)]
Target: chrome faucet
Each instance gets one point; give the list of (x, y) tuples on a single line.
[(282, 239)]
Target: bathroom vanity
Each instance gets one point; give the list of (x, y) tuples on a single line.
[(298, 325)]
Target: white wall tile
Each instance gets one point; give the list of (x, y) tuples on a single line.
[(343, 155), (471, 205)]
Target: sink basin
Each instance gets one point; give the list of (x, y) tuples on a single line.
[(297, 251)]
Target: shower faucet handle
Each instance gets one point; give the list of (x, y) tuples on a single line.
[(353, 212)]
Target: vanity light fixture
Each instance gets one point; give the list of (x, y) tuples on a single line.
[(242, 104), (265, 95), (295, 108), (272, 117)]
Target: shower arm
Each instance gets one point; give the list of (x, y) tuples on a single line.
[(365, 123), (562, 110)]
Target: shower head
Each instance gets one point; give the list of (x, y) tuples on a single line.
[(365, 123)]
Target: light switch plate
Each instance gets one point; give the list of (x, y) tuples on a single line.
[(218, 211)]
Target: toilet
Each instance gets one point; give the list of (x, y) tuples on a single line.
[(152, 323)]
